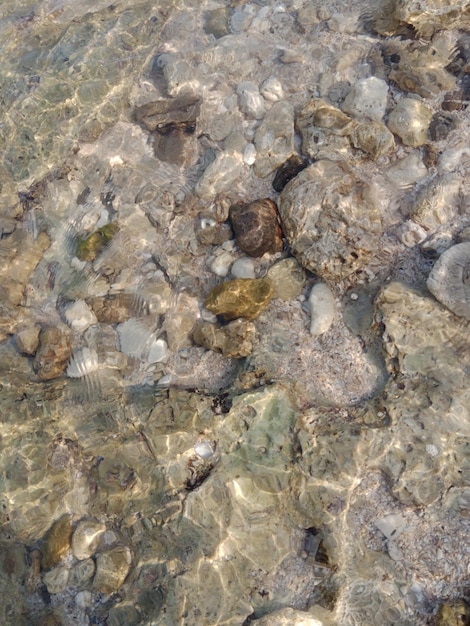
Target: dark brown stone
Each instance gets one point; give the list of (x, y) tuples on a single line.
[(288, 171), (256, 227)]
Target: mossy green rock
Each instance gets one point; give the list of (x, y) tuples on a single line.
[(89, 247), (453, 613), (241, 297)]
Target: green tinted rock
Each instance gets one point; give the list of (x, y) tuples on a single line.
[(234, 341), (89, 247), (453, 613), (241, 297)]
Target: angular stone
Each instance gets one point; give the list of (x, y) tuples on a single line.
[(219, 175), (53, 354), (250, 100), (331, 219), (449, 279), (317, 116), (235, 340), (217, 22), (27, 339), (19, 256), (410, 120), (57, 543), (274, 138), (160, 113), (373, 138), (240, 297), (256, 227), (112, 568), (288, 278), (116, 308), (367, 98), (79, 316), (56, 579)]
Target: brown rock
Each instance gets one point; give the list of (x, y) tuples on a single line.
[(55, 349), (112, 568), (234, 341), (114, 308), (256, 227), (57, 542), (241, 297)]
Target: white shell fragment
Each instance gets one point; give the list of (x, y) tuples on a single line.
[(322, 309), (449, 280)]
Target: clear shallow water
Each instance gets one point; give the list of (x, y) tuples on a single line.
[(234, 493)]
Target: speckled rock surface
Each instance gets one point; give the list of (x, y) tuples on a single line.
[(330, 218)]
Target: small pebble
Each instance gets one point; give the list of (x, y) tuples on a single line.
[(243, 268), (221, 264), (322, 309), (271, 89)]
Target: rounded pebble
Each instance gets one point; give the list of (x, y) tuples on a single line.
[(243, 268), (256, 227), (449, 279), (322, 309)]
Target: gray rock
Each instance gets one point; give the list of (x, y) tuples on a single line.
[(449, 279), (274, 139), (367, 98), (330, 218)]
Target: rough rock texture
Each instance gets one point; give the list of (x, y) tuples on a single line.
[(240, 297), (256, 227), (53, 354), (449, 280), (330, 218), (274, 139), (234, 341)]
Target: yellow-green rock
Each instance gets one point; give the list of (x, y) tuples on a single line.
[(241, 297), (56, 543), (89, 247), (453, 613)]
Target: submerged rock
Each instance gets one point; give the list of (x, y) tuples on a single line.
[(330, 218), (274, 139), (256, 227), (288, 171), (373, 138), (322, 309), (90, 247), (410, 120), (367, 98), (240, 297), (112, 568), (53, 354), (235, 340), (86, 538), (288, 278), (57, 543), (453, 613), (449, 280)]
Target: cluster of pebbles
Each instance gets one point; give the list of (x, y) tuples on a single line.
[(234, 320)]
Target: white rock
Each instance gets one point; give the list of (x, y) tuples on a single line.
[(219, 175), (249, 154), (56, 579), (158, 351), (79, 316), (412, 234), (243, 268), (367, 98), (322, 309), (83, 599), (86, 538), (204, 449), (250, 100), (271, 89), (221, 264), (407, 171), (391, 526)]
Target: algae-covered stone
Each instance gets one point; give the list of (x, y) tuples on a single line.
[(89, 248), (112, 568), (57, 543), (410, 120), (453, 613), (53, 354), (330, 217), (235, 340), (240, 297)]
